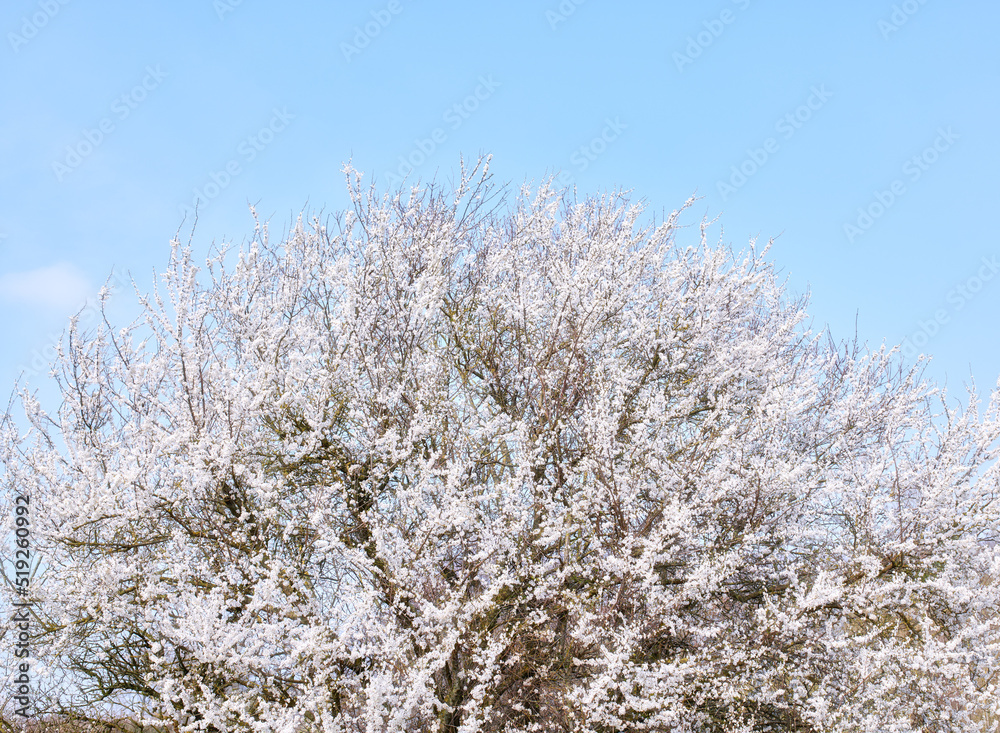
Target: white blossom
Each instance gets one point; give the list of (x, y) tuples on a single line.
[(449, 462)]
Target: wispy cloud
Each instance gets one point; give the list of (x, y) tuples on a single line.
[(60, 287)]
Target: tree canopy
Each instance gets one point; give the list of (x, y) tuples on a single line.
[(475, 459)]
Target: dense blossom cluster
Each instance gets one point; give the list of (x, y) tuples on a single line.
[(453, 462)]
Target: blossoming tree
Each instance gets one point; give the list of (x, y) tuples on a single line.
[(480, 460)]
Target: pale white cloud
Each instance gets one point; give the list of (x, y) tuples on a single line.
[(60, 287)]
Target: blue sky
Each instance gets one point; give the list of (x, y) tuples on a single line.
[(861, 135)]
